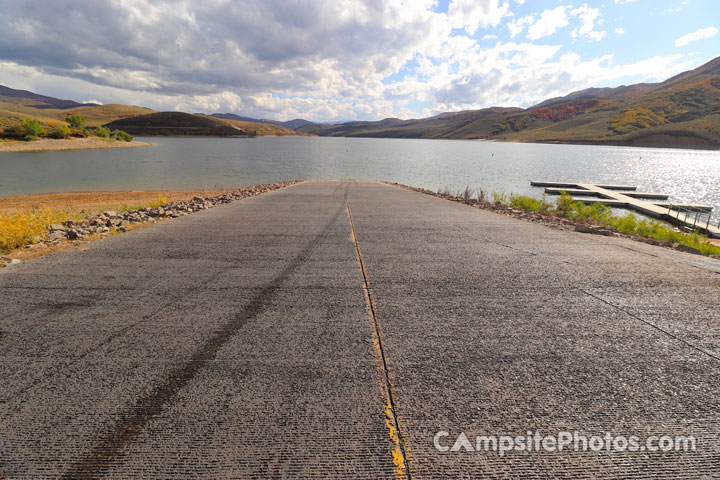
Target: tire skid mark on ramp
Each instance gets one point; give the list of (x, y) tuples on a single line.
[(400, 452), (135, 418)]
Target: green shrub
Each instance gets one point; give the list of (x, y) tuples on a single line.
[(564, 203), (121, 136), (500, 198), (532, 204), (597, 212), (31, 129), (525, 203), (101, 132), (631, 224), (601, 214), (61, 131), (76, 121)]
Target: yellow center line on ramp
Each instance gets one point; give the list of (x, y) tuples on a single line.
[(401, 448)]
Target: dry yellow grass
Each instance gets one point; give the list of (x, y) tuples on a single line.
[(45, 249), (24, 219), (23, 228)]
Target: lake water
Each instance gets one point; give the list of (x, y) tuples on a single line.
[(189, 163)]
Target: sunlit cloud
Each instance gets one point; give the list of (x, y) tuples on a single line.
[(324, 60), (701, 34)]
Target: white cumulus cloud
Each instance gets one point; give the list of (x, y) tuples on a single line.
[(324, 60), (473, 14), (548, 23), (701, 34), (516, 26), (588, 17)]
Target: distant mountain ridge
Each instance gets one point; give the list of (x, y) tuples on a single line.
[(291, 124), (682, 111), (49, 102), (621, 92)]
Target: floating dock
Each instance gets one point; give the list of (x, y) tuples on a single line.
[(583, 192), (686, 216), (564, 186)]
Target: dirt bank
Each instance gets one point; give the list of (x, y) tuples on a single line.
[(671, 141), (95, 202), (44, 144), (655, 140)]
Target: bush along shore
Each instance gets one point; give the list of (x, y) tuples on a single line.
[(30, 129), (49, 228), (576, 216)]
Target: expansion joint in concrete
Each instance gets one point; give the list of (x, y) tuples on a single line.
[(660, 329), (400, 451)]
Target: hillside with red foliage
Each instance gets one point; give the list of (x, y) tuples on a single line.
[(563, 111)]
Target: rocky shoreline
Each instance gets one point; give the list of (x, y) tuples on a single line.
[(552, 221), (111, 222)]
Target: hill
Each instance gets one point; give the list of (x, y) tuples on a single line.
[(175, 123), (262, 127), (683, 111), (290, 124), (16, 105), (446, 125), (42, 101), (12, 112)]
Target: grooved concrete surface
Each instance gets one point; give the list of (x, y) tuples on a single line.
[(235, 343)]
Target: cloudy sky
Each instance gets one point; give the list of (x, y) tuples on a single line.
[(331, 60)]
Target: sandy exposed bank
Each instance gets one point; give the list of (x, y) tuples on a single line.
[(655, 140), (93, 202), (44, 144)]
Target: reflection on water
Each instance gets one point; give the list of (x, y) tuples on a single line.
[(184, 163)]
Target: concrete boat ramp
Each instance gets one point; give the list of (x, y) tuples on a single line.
[(687, 216), (357, 330)]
